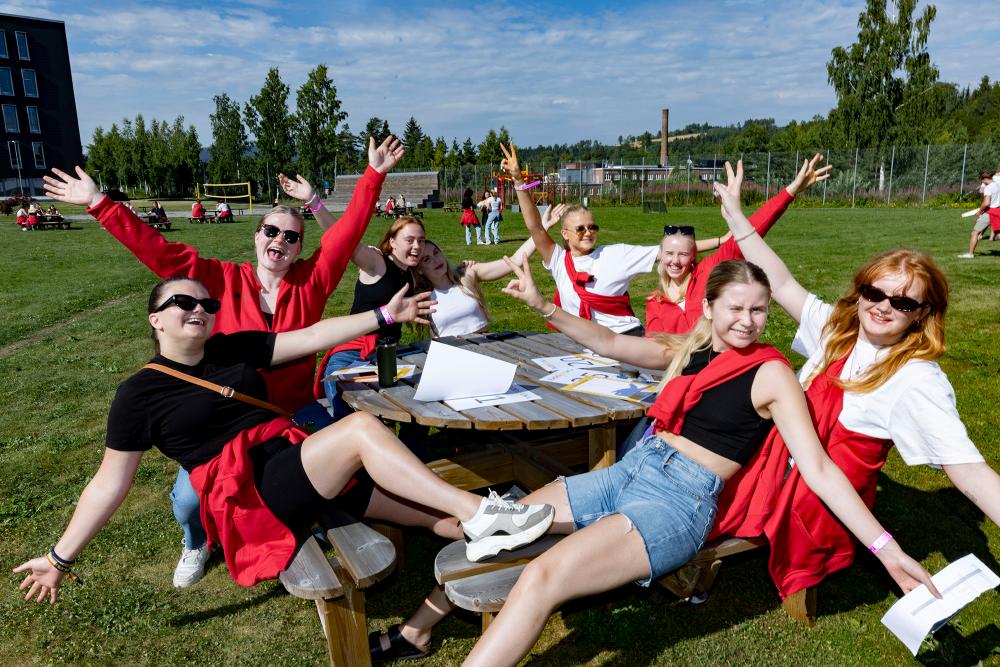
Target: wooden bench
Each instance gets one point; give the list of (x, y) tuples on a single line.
[(483, 587), (452, 207), (654, 207), (206, 219), (162, 225), (363, 557), (58, 223)]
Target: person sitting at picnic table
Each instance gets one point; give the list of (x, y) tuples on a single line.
[(390, 206), (198, 210), (157, 213), (53, 214), (225, 213), (461, 308), (872, 383), (22, 218), (263, 480), (682, 274), (279, 292), (34, 215), (591, 280)]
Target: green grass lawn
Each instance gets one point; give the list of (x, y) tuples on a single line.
[(74, 328)]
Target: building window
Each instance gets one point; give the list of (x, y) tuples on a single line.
[(10, 118), (36, 148), (3, 44), (14, 150), (33, 124), (22, 45), (30, 84), (6, 82)]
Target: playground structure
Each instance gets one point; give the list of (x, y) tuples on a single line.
[(201, 192), (545, 193)]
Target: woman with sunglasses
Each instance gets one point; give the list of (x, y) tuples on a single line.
[(262, 480), (872, 383), (682, 275), (281, 292)]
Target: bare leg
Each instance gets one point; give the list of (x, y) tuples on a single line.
[(331, 456), (602, 556), (973, 241), (388, 507), (554, 494)]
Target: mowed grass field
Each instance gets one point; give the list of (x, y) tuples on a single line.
[(74, 327)]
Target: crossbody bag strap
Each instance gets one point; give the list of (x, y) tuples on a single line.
[(228, 392)]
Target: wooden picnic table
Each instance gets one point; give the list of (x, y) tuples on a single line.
[(530, 442)]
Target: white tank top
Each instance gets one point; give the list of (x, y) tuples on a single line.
[(457, 313)]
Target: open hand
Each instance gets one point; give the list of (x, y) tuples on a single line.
[(809, 175), (80, 190), (299, 189), (42, 581), (906, 572), (383, 158), (553, 214), (523, 287), (509, 164), (415, 308)]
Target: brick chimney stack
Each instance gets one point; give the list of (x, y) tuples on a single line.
[(664, 149)]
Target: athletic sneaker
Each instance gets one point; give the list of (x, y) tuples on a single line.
[(966, 255), (191, 567), (500, 525)]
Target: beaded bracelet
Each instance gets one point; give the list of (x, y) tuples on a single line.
[(549, 314)]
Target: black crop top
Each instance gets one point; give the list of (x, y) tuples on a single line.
[(724, 421), (378, 293)]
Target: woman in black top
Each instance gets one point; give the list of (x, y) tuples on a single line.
[(470, 219), (260, 491)]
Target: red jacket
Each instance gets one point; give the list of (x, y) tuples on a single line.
[(663, 316), (302, 295)]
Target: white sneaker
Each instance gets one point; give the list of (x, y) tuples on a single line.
[(191, 567), (966, 255), (500, 525)]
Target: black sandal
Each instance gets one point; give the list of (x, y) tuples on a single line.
[(399, 647)]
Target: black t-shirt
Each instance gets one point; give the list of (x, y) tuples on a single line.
[(369, 297), (188, 423)]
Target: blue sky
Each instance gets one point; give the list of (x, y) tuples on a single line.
[(548, 71)]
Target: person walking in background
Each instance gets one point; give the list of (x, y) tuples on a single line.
[(989, 212), (469, 218)]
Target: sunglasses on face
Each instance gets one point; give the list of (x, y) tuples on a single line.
[(903, 304), (291, 236), (686, 230), (580, 230), (189, 303)]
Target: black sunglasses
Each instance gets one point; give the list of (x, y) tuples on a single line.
[(686, 230), (291, 236), (583, 229), (903, 304), (189, 303)]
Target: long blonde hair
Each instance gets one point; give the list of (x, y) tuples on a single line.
[(661, 271), (923, 340), (730, 272), (466, 282)]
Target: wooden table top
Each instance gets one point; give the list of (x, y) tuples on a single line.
[(555, 409)]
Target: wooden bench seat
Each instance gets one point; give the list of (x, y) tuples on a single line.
[(654, 207), (483, 587), (162, 225), (452, 207), (336, 584)]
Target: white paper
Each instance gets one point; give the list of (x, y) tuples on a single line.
[(574, 362), (613, 387), (516, 394), (361, 368), (454, 372), (918, 612), (567, 376)]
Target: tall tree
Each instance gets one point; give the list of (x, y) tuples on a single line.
[(268, 119), (229, 141), (413, 134), (440, 156), (316, 119), (468, 152), (886, 68), (489, 149)]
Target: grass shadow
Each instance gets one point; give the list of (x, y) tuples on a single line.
[(226, 610)]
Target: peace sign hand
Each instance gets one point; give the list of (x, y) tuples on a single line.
[(729, 194), (523, 287), (509, 163)]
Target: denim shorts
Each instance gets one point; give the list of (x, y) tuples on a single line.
[(667, 497)]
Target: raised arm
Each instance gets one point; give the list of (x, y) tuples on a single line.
[(303, 190), (644, 352), (532, 219), (333, 331), (776, 389), (99, 500), (497, 269), (789, 294)]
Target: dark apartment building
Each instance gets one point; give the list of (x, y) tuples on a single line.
[(40, 126)]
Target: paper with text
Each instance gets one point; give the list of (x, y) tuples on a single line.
[(516, 394)]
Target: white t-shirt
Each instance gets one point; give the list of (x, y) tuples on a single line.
[(613, 268), (457, 313), (993, 192), (915, 408)]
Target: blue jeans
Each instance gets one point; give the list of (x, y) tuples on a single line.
[(667, 497), (338, 360), (479, 234), (493, 225), (187, 506)]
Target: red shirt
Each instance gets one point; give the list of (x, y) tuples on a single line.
[(663, 316), (302, 295)]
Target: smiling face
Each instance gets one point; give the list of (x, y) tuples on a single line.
[(677, 255), (738, 315), (881, 324), (407, 245), (174, 324), (433, 264), (276, 254), (577, 233)]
